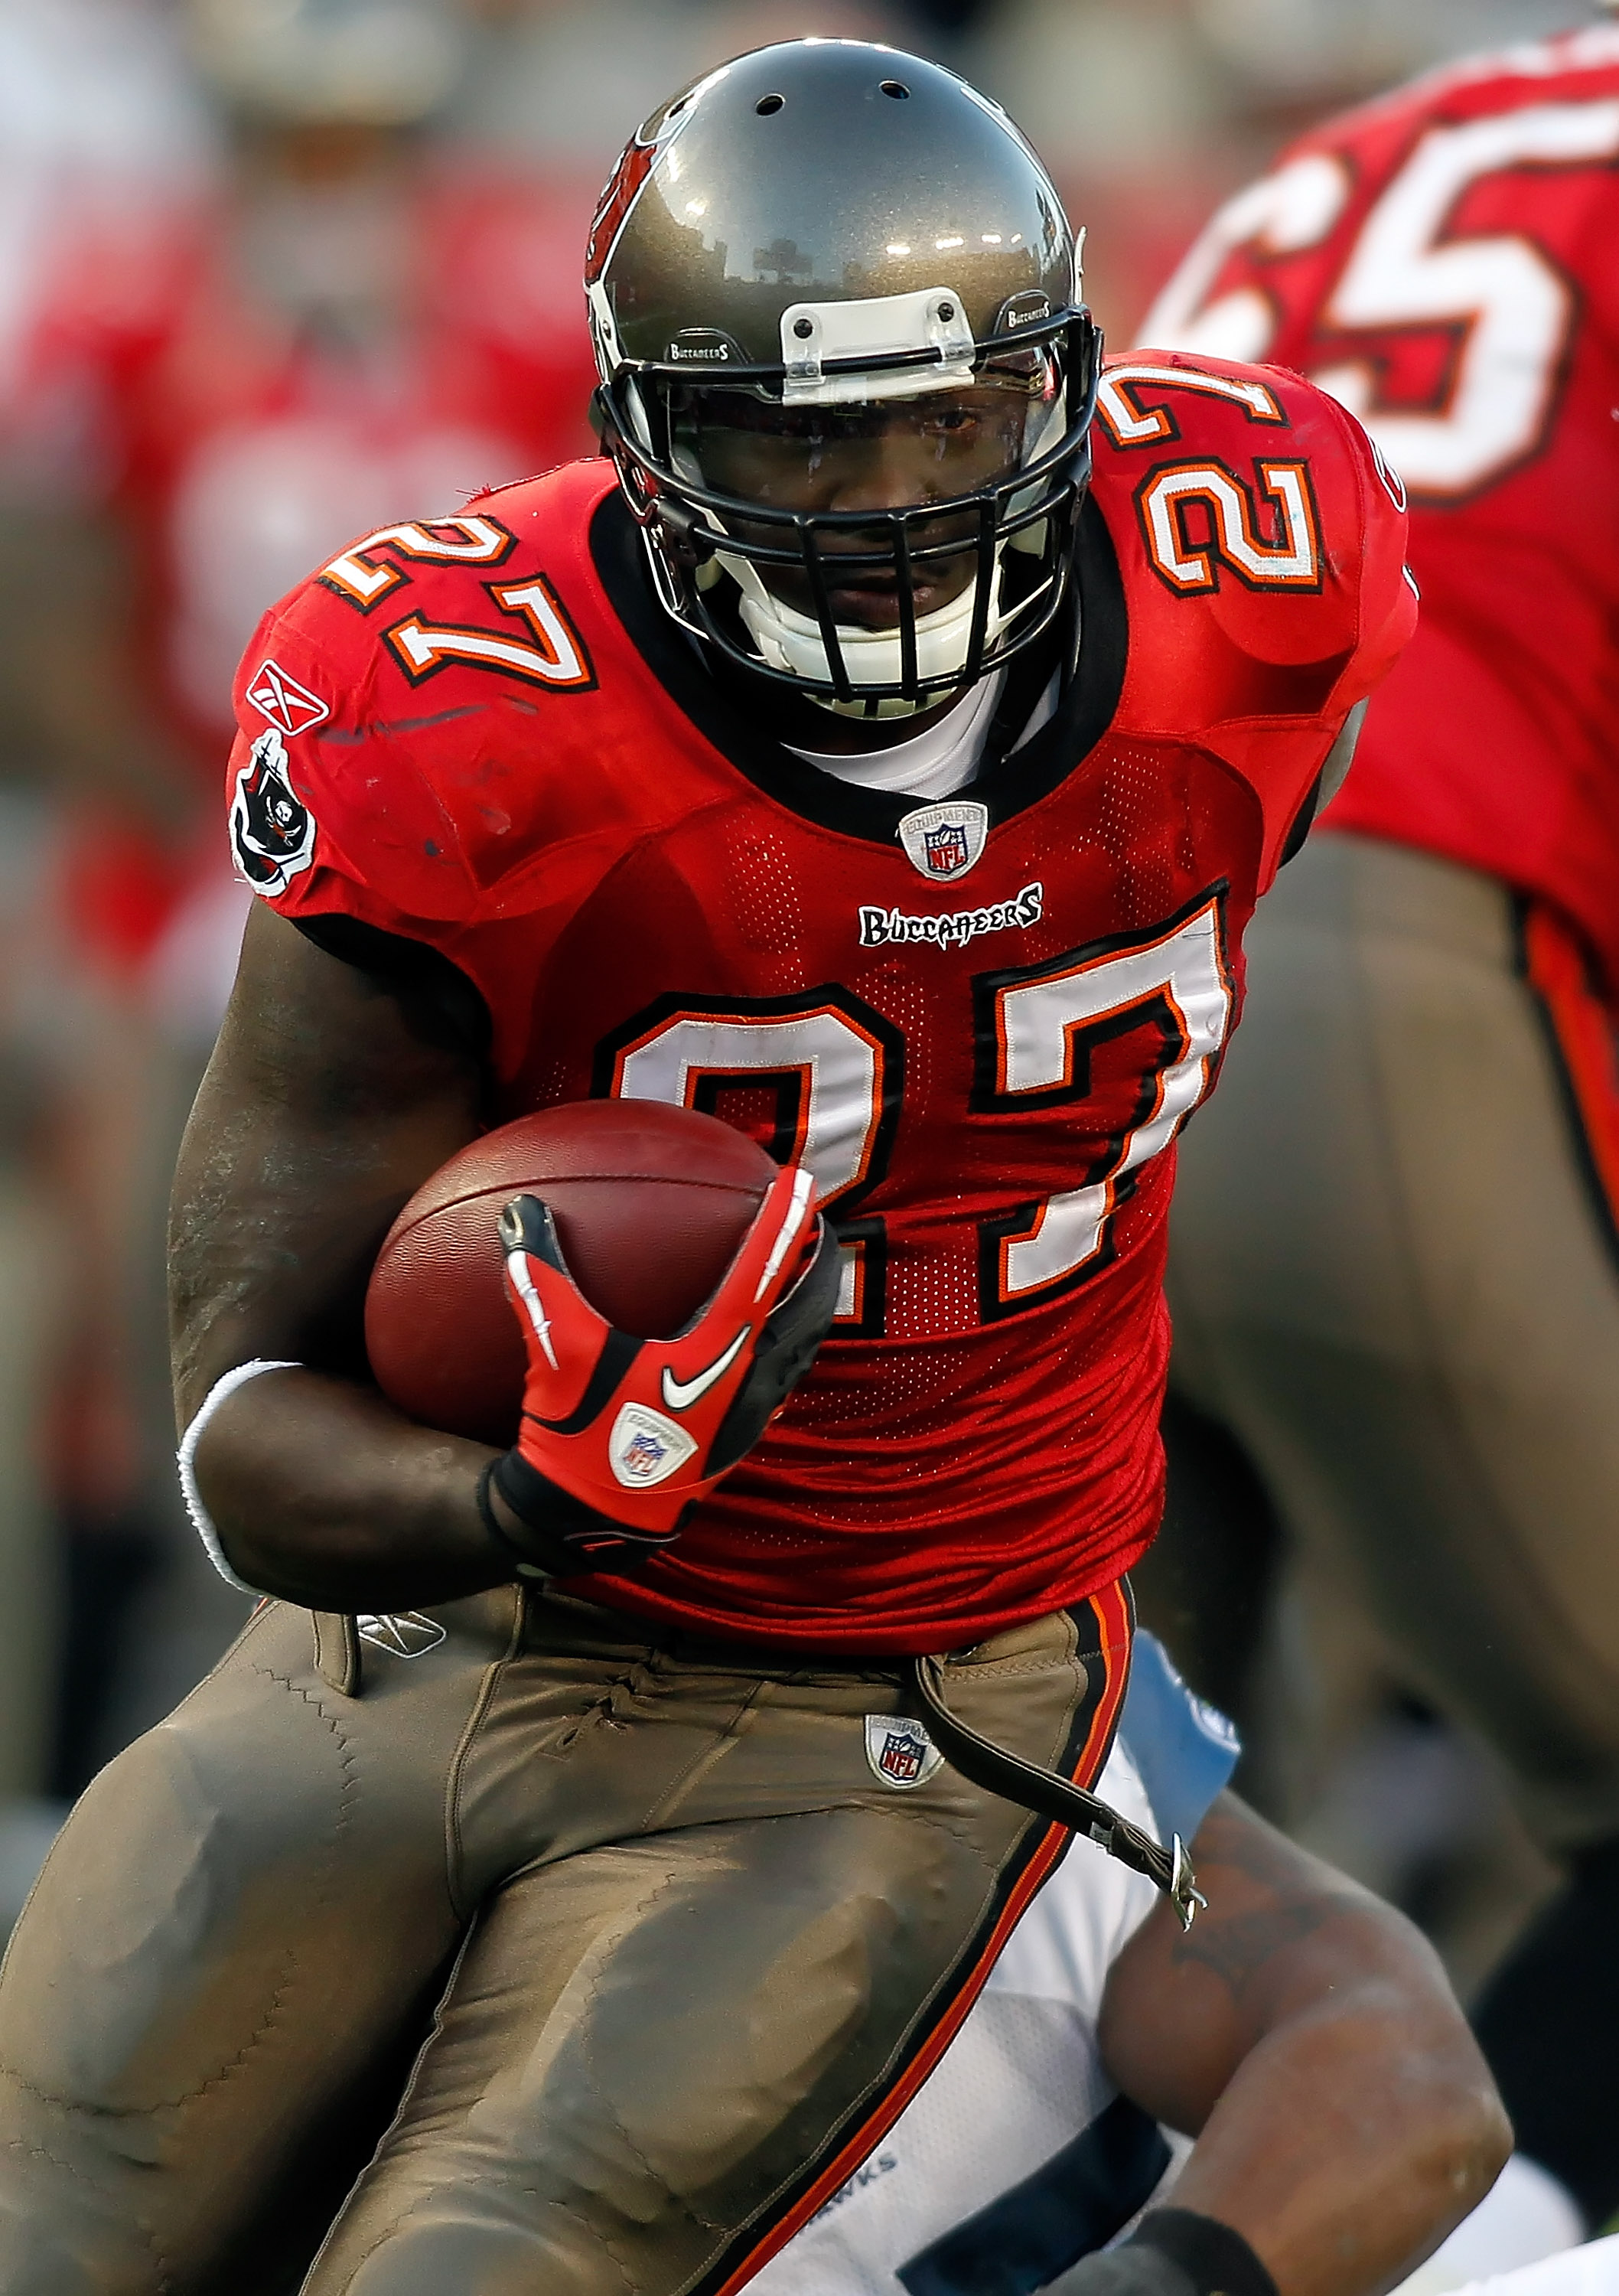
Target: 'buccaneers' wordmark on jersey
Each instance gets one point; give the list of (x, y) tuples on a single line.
[(981, 1028), (1443, 262)]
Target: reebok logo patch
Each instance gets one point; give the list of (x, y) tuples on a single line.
[(288, 706), (403, 1633)]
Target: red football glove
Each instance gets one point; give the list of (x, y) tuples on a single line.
[(619, 1435)]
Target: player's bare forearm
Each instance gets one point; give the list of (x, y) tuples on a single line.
[(1307, 2036), (326, 1104), (323, 1495)]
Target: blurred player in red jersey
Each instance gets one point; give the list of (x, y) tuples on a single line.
[(353, 320), (1394, 1269), (357, 319), (884, 751)]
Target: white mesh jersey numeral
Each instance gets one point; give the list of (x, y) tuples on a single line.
[(836, 1070), (1281, 215), (471, 541), (1295, 562), (1514, 306), (1043, 1028), (839, 1068), (1518, 307)]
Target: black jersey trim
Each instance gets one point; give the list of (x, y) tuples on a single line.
[(1069, 2207), (1303, 821), (736, 725)]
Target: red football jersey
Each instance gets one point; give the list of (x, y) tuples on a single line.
[(980, 1022), (1445, 262)]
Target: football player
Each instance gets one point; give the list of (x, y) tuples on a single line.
[(1396, 1268), (884, 750)]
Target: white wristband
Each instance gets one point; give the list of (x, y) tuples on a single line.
[(203, 1522)]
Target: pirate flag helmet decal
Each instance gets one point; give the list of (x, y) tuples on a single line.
[(272, 829)]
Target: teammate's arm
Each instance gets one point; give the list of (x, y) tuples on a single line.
[(329, 1100), (1306, 2033)]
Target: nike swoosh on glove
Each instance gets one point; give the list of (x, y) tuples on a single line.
[(620, 1436)]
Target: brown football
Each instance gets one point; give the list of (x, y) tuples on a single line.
[(650, 1203)]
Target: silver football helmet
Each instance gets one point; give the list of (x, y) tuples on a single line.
[(847, 373)]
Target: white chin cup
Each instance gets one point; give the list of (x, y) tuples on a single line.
[(790, 641)]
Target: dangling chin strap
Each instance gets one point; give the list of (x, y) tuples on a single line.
[(999, 1771)]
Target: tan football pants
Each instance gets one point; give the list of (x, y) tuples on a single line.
[(1393, 1278), (566, 1958)]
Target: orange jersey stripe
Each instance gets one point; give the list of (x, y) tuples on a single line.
[(1585, 1037)]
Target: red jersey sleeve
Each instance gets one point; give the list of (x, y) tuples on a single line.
[(329, 809), (445, 734), (1263, 540)]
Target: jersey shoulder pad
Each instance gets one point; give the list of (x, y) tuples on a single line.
[(392, 758), (1256, 525)]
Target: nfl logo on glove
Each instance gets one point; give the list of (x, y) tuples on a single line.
[(645, 1447), (644, 1456)]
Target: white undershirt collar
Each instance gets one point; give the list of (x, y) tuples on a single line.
[(934, 763), (943, 758)]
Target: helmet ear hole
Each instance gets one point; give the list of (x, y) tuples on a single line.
[(766, 105), (897, 88)]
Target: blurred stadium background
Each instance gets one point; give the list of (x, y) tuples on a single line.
[(253, 300)]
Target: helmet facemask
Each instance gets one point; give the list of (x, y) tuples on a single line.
[(880, 535)]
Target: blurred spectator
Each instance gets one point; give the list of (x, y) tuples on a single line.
[(554, 86), (215, 371), (98, 119)]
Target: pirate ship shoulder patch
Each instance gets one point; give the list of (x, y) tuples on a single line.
[(273, 830)]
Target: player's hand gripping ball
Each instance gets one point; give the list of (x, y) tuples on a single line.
[(671, 1284)]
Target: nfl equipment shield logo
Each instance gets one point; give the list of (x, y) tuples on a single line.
[(945, 841), (645, 1448), (899, 1752), (643, 1455)]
